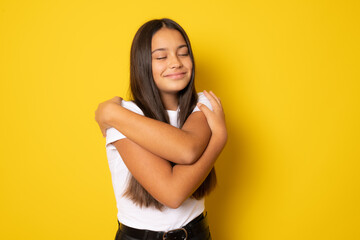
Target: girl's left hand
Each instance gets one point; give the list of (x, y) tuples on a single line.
[(103, 113), (215, 118)]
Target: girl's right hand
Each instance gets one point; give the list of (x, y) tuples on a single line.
[(215, 118)]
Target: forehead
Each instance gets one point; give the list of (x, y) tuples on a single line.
[(167, 38)]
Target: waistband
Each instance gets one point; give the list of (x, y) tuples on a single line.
[(197, 226)]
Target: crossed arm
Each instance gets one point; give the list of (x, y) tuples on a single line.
[(169, 185), (182, 146), (173, 185)]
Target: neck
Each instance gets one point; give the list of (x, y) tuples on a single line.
[(170, 101)]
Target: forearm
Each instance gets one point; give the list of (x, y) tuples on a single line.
[(180, 146), (169, 185), (187, 178)]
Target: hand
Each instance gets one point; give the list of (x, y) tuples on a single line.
[(215, 118), (103, 113)]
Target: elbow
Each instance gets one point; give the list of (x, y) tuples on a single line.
[(189, 156), (188, 159), (174, 200)]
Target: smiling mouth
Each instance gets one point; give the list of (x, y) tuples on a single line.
[(176, 75)]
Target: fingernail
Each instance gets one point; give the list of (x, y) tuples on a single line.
[(199, 104)]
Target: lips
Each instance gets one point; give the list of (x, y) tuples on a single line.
[(176, 75)]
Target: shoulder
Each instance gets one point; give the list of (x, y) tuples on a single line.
[(202, 97), (112, 134), (130, 105), (204, 100)]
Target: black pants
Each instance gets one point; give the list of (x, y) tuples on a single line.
[(204, 234)]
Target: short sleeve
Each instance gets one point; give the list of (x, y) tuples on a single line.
[(113, 134), (204, 100)]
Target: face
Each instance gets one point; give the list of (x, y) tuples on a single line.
[(171, 62)]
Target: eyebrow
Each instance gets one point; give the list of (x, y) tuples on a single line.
[(164, 49)]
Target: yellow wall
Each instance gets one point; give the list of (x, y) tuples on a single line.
[(286, 71)]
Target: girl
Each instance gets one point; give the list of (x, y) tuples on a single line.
[(167, 143)]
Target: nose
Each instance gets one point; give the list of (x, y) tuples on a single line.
[(175, 62)]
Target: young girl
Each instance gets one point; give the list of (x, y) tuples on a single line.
[(161, 148)]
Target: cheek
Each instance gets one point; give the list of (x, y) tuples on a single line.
[(188, 64), (157, 70)]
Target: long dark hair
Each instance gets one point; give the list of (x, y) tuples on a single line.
[(146, 95)]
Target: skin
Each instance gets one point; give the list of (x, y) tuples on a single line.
[(171, 186), (186, 144), (171, 65), (169, 56), (146, 152)]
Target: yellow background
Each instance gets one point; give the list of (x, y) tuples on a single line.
[(288, 76)]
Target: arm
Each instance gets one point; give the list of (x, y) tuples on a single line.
[(173, 185), (182, 146), (186, 144), (170, 186)]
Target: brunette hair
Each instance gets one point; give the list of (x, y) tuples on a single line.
[(146, 96)]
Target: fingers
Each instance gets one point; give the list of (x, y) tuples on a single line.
[(214, 100), (116, 99), (217, 99), (207, 112)]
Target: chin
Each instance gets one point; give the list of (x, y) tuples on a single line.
[(173, 90)]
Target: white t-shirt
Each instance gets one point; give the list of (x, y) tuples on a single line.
[(131, 214)]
